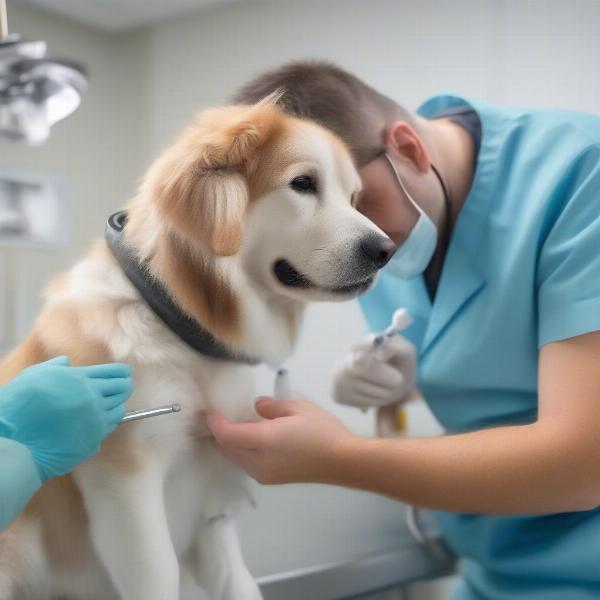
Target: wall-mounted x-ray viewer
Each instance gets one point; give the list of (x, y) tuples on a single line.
[(33, 211), (34, 216)]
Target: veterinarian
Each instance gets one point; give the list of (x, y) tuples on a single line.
[(54, 416), (499, 266)]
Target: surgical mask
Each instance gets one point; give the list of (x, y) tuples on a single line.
[(414, 254)]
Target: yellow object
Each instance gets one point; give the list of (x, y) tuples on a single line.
[(401, 420), (391, 421)]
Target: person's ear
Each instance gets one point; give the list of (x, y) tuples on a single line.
[(403, 141)]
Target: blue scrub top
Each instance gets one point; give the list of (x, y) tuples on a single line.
[(522, 270)]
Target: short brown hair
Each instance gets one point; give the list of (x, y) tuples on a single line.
[(332, 97)]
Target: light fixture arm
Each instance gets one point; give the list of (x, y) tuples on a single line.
[(3, 20), (36, 90)]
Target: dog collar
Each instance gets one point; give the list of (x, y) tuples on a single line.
[(159, 300)]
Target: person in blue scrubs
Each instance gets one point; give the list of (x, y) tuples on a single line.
[(54, 416), (496, 214)]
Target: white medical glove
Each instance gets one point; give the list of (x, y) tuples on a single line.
[(361, 380)]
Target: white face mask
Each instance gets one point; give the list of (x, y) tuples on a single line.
[(414, 254)]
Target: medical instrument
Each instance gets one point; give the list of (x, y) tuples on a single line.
[(391, 420), (283, 387), (35, 91), (136, 415), (400, 321)]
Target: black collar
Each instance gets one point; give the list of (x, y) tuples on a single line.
[(158, 299)]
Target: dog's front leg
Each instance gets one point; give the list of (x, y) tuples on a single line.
[(221, 568), (129, 528)]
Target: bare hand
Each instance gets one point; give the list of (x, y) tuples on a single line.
[(297, 441)]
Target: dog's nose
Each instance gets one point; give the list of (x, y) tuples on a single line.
[(378, 249)]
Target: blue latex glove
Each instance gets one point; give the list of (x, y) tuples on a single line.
[(19, 479), (62, 413)]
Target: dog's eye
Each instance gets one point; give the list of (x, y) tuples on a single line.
[(304, 183)]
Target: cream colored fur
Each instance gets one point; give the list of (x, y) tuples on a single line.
[(150, 516)]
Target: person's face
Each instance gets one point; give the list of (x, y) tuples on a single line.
[(383, 201)]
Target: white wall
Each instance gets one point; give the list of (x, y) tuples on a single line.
[(514, 51), (99, 150)]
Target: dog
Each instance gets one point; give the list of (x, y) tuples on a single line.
[(248, 216)]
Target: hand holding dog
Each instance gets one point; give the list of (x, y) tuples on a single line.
[(297, 442)]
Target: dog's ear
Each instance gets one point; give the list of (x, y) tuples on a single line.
[(200, 182)]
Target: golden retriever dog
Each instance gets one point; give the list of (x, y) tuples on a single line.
[(248, 216)]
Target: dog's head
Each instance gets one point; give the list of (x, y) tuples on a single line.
[(262, 195)]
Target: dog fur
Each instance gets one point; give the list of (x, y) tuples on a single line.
[(149, 516)]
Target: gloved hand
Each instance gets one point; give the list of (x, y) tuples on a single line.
[(62, 413), (363, 381)]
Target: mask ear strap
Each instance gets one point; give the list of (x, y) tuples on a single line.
[(401, 183), (445, 191)]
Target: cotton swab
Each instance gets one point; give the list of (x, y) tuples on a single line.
[(400, 321)]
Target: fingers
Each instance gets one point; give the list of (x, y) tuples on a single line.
[(395, 346), (110, 402), (116, 385), (378, 394), (387, 373), (378, 373), (379, 385), (271, 408), (106, 371), (235, 435), (114, 416), (400, 352), (381, 375), (365, 395)]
